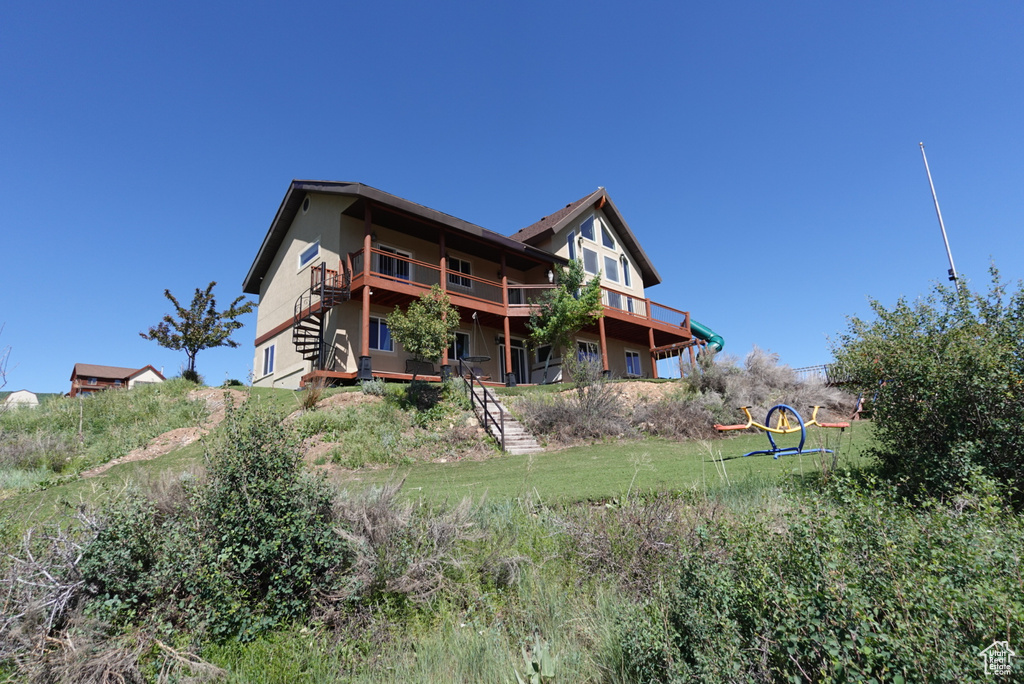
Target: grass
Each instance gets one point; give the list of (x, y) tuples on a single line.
[(605, 471)]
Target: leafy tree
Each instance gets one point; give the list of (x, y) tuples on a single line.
[(949, 375), (564, 310), (198, 327), (426, 328)]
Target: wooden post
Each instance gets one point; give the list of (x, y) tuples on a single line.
[(508, 353), (604, 345), (367, 255), (443, 275), (654, 358)]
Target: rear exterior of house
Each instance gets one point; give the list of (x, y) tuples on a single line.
[(339, 257)]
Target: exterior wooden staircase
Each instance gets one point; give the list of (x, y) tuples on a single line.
[(327, 288), (499, 423)]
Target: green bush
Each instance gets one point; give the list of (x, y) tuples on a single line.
[(949, 376), (245, 550)]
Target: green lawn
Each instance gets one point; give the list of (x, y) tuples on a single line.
[(608, 470)]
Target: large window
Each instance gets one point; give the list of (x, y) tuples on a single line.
[(611, 268), (393, 267), (455, 267), (606, 238), (459, 348), (310, 253), (268, 360), (590, 261), (380, 335), (587, 228), (633, 363), (587, 351)]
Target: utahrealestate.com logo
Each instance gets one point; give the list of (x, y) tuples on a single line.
[(997, 658)]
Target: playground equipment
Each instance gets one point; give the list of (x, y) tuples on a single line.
[(706, 334), (783, 426)]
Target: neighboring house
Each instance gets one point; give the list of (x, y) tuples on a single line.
[(87, 378), (339, 257), (21, 399)]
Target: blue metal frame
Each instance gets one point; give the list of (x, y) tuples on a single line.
[(776, 450)]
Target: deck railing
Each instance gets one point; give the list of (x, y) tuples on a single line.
[(521, 297)]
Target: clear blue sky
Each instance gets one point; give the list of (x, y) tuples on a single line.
[(765, 154)]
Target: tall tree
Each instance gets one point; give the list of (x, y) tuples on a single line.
[(564, 310), (198, 327), (426, 328)]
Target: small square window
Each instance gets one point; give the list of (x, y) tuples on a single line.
[(92, 381), (543, 353), (587, 351)]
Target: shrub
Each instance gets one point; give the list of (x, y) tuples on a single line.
[(592, 410), (949, 376)]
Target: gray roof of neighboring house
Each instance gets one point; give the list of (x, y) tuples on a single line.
[(300, 188), (549, 225)]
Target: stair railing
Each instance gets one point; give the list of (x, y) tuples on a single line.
[(489, 404)]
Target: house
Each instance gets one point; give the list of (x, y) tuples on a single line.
[(339, 257), (87, 378), (21, 399)]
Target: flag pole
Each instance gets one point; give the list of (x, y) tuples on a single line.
[(942, 226)]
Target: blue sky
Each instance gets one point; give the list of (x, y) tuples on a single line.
[(765, 154)]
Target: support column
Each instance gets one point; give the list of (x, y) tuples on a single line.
[(510, 377), (693, 356), (442, 254), (365, 370), (604, 347), (654, 358)]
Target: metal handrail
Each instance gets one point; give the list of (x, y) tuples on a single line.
[(499, 423)]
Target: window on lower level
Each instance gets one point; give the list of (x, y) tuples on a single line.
[(459, 348), (543, 353), (92, 381), (587, 351), (268, 360), (380, 335), (633, 363)]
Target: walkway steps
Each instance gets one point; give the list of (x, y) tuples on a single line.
[(517, 439)]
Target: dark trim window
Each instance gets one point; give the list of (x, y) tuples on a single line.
[(457, 266), (633, 363), (606, 238), (459, 348), (587, 350), (611, 268), (92, 381), (587, 228), (268, 360), (570, 241), (380, 335), (543, 353), (310, 253)]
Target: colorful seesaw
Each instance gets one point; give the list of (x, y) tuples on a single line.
[(783, 426)]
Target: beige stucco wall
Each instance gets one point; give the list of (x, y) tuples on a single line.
[(22, 399), (146, 377), (559, 246)]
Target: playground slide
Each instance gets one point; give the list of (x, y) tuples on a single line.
[(701, 332)]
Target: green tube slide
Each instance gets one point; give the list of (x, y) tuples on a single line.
[(706, 334)]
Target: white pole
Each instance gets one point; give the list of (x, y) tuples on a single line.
[(942, 226)]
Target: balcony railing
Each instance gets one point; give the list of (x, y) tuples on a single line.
[(521, 297)]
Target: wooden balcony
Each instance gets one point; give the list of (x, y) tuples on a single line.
[(394, 278)]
